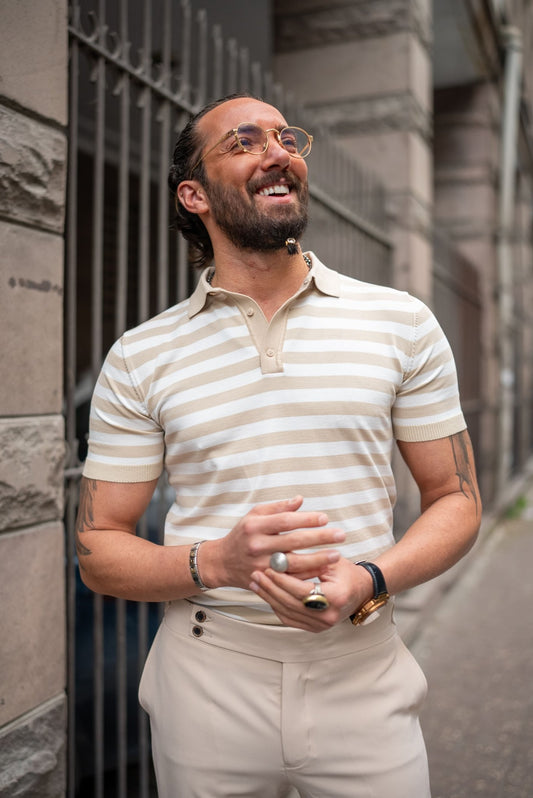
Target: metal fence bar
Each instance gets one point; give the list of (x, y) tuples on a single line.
[(123, 89), (164, 119), (70, 411), (184, 96), (353, 218), (99, 77), (201, 93)]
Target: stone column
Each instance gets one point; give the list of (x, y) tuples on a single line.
[(33, 116), (524, 319), (467, 125), (363, 68)]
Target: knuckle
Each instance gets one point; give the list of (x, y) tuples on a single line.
[(248, 525), (254, 547)]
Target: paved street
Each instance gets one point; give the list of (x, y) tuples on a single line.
[(477, 652)]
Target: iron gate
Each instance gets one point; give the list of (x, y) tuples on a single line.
[(130, 94)]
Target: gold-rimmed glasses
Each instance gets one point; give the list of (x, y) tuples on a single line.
[(254, 139)]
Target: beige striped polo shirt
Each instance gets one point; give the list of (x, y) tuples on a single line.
[(240, 411)]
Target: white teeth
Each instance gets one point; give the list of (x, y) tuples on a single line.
[(266, 192)]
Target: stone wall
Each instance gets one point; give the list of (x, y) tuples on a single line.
[(33, 117)]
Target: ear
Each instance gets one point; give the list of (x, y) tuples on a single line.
[(192, 196)]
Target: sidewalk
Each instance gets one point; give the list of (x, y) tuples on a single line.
[(476, 648)]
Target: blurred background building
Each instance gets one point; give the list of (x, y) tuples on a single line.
[(421, 177)]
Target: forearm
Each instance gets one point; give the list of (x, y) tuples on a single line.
[(115, 562), (120, 564), (438, 539)]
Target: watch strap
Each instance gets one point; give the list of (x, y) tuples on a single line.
[(378, 579), (380, 597)]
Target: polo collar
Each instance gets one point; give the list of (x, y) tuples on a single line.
[(325, 280)]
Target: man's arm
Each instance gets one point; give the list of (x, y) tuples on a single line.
[(446, 529), (114, 561), (450, 505)]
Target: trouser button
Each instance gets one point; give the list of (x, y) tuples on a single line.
[(197, 631), (200, 616)]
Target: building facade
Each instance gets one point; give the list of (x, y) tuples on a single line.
[(432, 100)]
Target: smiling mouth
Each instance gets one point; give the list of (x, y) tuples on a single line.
[(278, 190)]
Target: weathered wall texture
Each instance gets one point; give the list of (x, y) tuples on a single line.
[(33, 116)]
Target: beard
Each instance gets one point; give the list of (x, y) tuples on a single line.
[(249, 227)]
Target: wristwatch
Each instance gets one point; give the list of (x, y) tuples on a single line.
[(380, 597)]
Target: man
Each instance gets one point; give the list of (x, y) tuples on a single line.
[(272, 397)]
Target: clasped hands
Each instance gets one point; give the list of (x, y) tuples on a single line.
[(242, 559)]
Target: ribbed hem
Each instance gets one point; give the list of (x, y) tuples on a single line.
[(431, 432), (114, 473)]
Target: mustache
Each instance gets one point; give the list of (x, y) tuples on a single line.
[(292, 181)]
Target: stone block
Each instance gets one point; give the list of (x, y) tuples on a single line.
[(32, 622), (408, 212), (32, 171), (31, 471), (479, 197), (413, 266), (33, 753), (34, 56), (400, 158), (376, 114), (300, 24), (31, 321), (350, 70)]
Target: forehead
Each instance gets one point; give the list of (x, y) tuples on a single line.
[(243, 109)]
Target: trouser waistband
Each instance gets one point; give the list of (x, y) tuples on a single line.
[(279, 643)]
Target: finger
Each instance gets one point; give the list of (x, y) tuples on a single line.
[(305, 537), (312, 563), (287, 607), (282, 506)]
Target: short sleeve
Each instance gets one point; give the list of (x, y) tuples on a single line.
[(427, 404), (125, 443)]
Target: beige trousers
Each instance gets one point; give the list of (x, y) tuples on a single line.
[(240, 709)]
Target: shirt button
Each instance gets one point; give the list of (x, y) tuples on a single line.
[(197, 631), (250, 312), (200, 616), (306, 281), (270, 353)]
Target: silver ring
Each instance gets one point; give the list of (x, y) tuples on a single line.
[(279, 562), (315, 599)]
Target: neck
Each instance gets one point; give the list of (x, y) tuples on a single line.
[(270, 279)]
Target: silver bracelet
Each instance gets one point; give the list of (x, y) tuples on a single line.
[(193, 565)]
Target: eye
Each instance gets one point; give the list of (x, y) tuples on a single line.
[(251, 138), (289, 140)]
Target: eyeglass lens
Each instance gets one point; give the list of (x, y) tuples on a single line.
[(253, 138)]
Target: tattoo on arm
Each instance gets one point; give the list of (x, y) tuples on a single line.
[(463, 466), (85, 518)]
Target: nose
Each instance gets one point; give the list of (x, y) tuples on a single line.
[(275, 154)]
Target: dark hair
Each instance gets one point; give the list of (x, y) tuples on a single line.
[(186, 153)]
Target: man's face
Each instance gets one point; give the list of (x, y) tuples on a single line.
[(240, 186)]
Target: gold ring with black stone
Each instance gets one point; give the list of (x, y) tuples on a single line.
[(316, 600)]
